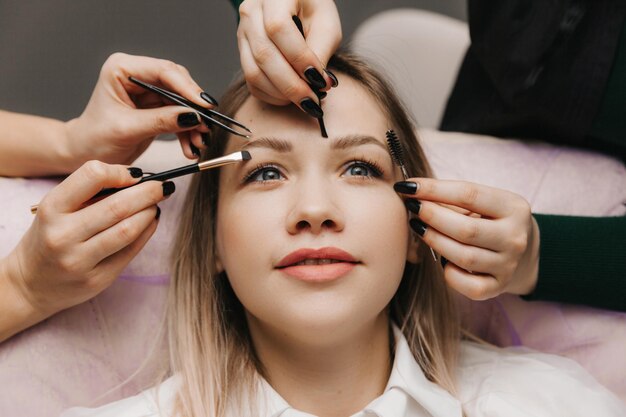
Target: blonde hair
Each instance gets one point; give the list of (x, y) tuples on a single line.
[(210, 347)]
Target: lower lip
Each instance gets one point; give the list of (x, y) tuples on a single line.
[(319, 273)]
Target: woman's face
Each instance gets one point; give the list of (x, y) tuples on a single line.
[(310, 232)]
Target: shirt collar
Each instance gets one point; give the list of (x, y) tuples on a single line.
[(406, 383), (407, 377)]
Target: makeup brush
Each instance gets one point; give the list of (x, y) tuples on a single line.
[(396, 151), (397, 154), (318, 93), (176, 172)]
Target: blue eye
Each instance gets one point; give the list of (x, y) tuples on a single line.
[(264, 174), (362, 169)]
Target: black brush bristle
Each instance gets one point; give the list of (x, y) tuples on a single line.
[(395, 148)]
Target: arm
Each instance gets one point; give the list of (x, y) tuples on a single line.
[(582, 260), (118, 124), (32, 145)]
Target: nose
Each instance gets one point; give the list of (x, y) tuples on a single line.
[(315, 208)]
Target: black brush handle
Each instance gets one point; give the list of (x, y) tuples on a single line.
[(161, 176)]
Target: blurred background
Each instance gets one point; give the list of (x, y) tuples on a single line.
[(51, 50)]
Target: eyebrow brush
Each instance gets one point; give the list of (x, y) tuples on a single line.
[(397, 155), (176, 172), (318, 93), (396, 151)]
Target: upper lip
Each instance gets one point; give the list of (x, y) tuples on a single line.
[(321, 253)]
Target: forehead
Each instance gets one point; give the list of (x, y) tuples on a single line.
[(348, 110)]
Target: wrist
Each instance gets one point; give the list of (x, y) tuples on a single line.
[(17, 312), (67, 150)]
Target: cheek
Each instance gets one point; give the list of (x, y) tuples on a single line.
[(381, 220), (246, 227)]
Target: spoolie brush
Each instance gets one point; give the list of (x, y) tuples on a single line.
[(396, 151), (397, 154)]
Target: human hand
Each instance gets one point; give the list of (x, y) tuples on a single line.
[(121, 118), (488, 235), (72, 252), (276, 59)]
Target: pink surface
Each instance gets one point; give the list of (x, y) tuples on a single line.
[(79, 354)]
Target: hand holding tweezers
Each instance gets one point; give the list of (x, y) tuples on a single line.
[(208, 115)]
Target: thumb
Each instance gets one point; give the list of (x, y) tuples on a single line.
[(167, 119)]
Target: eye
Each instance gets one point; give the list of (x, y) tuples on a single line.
[(363, 169), (264, 173)]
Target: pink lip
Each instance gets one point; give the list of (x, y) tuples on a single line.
[(317, 273)]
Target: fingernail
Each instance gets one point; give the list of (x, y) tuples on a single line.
[(333, 78), (158, 213), (168, 188), (322, 95), (406, 187), (188, 119), (194, 150), (205, 138), (135, 172), (413, 206), (315, 78), (209, 98), (418, 226), (311, 108), (444, 262)]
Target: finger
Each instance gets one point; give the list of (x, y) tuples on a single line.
[(115, 263), (470, 258), (484, 233), (324, 30), (487, 201), (120, 206), (277, 69), (474, 286), (86, 182), (283, 32), (189, 150), (259, 85), (167, 119), (196, 139), (154, 71)]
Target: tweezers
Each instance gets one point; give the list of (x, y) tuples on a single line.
[(208, 115)]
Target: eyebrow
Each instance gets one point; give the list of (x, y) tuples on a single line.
[(344, 142)]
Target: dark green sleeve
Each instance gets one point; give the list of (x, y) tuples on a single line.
[(236, 3), (582, 261)]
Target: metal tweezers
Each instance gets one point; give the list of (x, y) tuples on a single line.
[(208, 115)]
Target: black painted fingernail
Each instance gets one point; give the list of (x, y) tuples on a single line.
[(311, 108), (194, 150), (205, 138), (322, 95), (135, 172), (298, 23), (168, 188), (443, 261), (209, 98), (418, 226), (315, 78), (406, 187), (158, 213), (188, 119), (413, 206), (333, 77)]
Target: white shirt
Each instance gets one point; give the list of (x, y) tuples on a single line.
[(491, 382)]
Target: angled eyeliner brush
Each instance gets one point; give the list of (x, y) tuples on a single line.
[(176, 172)]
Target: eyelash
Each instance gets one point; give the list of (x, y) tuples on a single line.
[(374, 167)]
